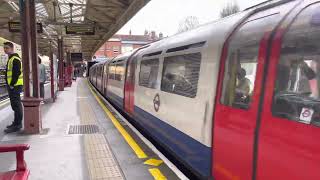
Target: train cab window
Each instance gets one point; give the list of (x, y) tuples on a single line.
[(149, 73), (242, 60), (181, 74), (297, 89)]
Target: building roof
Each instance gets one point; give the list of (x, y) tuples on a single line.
[(135, 38)]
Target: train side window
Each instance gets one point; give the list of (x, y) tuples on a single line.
[(181, 74), (242, 60), (112, 71), (105, 69), (297, 87), (119, 73), (149, 73)]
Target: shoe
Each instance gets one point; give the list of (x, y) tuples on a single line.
[(13, 129), (11, 125)]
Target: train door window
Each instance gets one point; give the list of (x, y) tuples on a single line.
[(242, 61), (180, 74), (100, 71), (112, 71), (149, 73), (119, 73), (105, 69), (297, 89)]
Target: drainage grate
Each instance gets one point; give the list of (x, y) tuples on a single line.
[(83, 129)]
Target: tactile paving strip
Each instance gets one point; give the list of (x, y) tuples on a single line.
[(101, 163)]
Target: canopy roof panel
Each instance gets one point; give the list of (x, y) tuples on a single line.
[(105, 16)]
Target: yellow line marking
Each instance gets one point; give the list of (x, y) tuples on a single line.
[(132, 143), (4, 102), (153, 162), (157, 175)]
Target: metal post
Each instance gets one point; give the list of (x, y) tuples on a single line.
[(25, 47), (54, 11), (69, 69), (34, 49), (70, 5), (32, 118), (51, 73), (61, 65)]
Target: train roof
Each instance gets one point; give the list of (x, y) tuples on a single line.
[(122, 56), (213, 32)]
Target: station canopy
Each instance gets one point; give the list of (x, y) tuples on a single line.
[(84, 24)]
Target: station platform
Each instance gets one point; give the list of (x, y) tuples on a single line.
[(83, 139)]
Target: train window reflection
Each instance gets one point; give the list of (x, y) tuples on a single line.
[(149, 73), (181, 74), (297, 88), (242, 60), (119, 73), (112, 71)]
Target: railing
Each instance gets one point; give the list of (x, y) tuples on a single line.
[(3, 86)]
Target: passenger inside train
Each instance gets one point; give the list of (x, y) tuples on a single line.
[(243, 87)]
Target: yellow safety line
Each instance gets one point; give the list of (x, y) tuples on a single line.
[(4, 102), (132, 143), (153, 162), (157, 175)]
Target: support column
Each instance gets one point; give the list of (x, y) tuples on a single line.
[(32, 117), (25, 31), (61, 65), (34, 50), (68, 76), (51, 73)]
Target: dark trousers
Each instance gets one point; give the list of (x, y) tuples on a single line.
[(41, 89), (15, 100)]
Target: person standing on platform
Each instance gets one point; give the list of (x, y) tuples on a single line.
[(14, 81), (42, 77)]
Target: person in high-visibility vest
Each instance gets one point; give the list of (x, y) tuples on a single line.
[(14, 80)]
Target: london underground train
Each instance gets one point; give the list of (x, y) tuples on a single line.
[(235, 99)]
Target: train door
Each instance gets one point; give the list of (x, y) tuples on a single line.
[(129, 83), (239, 91), (147, 97), (105, 79), (95, 75), (101, 78), (290, 120)]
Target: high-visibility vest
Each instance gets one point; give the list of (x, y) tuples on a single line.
[(9, 72)]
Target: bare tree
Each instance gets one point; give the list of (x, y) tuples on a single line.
[(230, 8), (188, 23)]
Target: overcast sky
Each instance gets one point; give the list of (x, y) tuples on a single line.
[(165, 15)]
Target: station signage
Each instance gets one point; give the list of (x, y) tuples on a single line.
[(76, 57), (80, 29), (15, 27)]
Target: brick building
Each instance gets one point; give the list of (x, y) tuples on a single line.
[(124, 43)]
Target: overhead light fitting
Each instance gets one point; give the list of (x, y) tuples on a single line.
[(13, 5)]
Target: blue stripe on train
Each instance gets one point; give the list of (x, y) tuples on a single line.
[(192, 152), (195, 154), (117, 100)]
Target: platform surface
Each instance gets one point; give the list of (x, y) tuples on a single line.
[(57, 154)]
